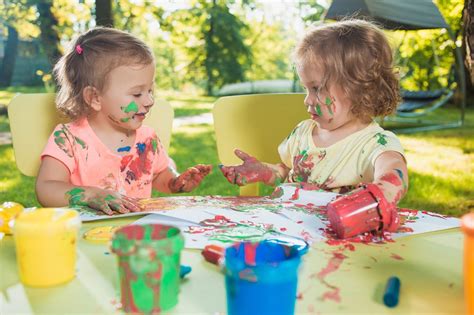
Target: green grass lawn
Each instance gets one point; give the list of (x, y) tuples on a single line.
[(441, 163)]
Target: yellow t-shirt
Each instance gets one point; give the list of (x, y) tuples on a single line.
[(341, 166)]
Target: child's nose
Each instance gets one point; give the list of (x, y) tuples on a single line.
[(148, 101), (308, 101)]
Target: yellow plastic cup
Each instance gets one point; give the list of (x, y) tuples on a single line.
[(467, 223), (45, 242)]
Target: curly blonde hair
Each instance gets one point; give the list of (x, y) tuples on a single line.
[(355, 55), (88, 61)]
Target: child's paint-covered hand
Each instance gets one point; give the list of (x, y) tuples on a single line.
[(103, 200), (190, 178), (251, 171)]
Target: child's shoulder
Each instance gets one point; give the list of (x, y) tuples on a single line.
[(376, 135), (73, 127)]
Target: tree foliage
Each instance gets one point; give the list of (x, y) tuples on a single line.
[(212, 43), (426, 58)]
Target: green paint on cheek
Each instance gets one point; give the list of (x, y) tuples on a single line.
[(318, 110), (125, 119), (328, 101), (132, 107)]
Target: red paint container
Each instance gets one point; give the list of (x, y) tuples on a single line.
[(363, 210)]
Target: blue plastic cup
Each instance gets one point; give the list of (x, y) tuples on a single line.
[(262, 278)]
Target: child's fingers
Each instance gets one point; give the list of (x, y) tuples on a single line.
[(190, 172), (101, 206), (204, 169), (238, 179), (207, 169), (241, 154), (229, 173), (118, 205), (132, 204)]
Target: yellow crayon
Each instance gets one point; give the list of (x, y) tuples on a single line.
[(45, 242)]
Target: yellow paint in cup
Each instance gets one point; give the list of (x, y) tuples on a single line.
[(45, 242)]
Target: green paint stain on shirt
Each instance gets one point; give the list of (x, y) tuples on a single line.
[(59, 136), (81, 142), (132, 107), (154, 143), (381, 138)]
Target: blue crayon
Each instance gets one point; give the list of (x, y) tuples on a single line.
[(184, 270), (392, 291)]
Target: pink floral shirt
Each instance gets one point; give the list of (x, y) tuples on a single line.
[(92, 163)]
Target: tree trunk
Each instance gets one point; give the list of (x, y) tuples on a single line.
[(209, 53), (468, 43), (8, 64), (49, 35), (103, 13)]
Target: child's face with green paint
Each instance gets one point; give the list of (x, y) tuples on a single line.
[(128, 96), (327, 105)]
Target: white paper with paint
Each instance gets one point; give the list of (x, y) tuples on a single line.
[(295, 214)]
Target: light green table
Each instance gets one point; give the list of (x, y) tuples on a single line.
[(429, 266)]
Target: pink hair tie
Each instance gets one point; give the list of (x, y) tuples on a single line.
[(79, 49)]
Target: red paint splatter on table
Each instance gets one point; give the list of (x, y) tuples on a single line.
[(397, 257)]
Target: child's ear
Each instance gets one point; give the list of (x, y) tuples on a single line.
[(92, 97)]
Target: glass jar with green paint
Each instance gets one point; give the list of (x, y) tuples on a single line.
[(149, 263)]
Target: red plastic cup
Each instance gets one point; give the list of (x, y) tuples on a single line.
[(363, 210)]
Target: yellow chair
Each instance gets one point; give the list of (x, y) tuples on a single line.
[(34, 116), (256, 124)]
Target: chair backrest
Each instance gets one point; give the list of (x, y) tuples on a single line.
[(34, 116), (256, 124)]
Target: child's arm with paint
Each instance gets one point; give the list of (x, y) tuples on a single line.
[(354, 213), (391, 175), (170, 181), (53, 189), (253, 171)]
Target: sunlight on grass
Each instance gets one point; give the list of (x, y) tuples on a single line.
[(441, 172), (13, 185), (426, 157)]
